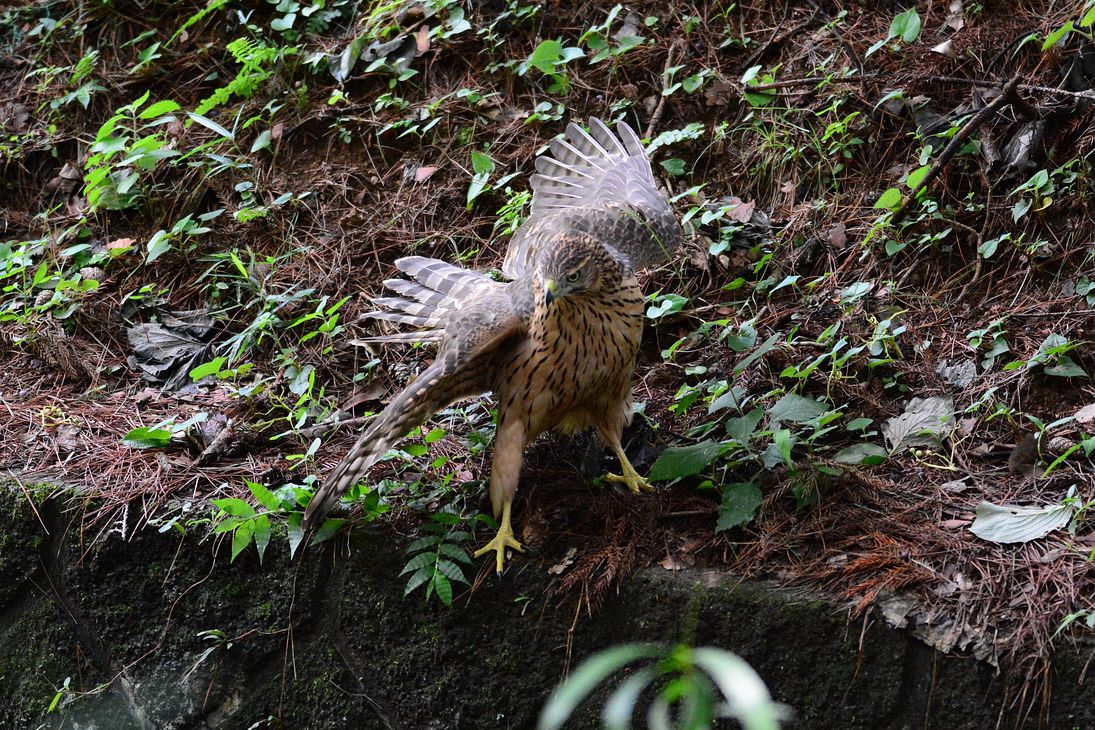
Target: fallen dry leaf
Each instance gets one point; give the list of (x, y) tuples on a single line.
[(563, 564)]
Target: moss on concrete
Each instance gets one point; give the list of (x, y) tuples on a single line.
[(330, 642)]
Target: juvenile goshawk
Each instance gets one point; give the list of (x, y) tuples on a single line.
[(557, 342)]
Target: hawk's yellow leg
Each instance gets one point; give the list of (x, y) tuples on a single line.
[(504, 539), (630, 477)]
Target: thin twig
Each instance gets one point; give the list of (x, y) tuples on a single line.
[(666, 77), (955, 144)]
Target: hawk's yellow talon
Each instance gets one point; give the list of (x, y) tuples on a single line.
[(502, 540), (630, 477)]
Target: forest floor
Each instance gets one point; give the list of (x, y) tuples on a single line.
[(883, 317)]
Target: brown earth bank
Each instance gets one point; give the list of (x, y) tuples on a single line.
[(251, 218)]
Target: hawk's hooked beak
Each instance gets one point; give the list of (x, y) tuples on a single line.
[(551, 291)]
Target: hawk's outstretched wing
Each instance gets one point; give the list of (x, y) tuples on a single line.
[(599, 183), (473, 317)]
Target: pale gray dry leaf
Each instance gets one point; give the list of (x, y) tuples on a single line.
[(630, 28), (956, 486), (946, 48), (1086, 415), (925, 422), (955, 18), (1010, 523), (896, 608), (959, 374)]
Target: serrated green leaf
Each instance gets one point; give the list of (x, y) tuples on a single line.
[(420, 577), (422, 543), (455, 552), (419, 561), (862, 453), (451, 570), (739, 505), (796, 409), (683, 461), (443, 588)]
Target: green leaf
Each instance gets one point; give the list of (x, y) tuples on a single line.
[(481, 163), (242, 537), (889, 200), (295, 532), (906, 26), (674, 166), (419, 561), (862, 453), (666, 304), (263, 531), (683, 461), (742, 429), (159, 109), (566, 698), (917, 176), (234, 507), (209, 368), (455, 552), (1066, 367), (1059, 35), (546, 55), (1007, 523), (159, 244), (328, 529), (422, 543), (420, 577), (443, 588), (451, 570), (739, 505), (796, 409), (743, 689), (264, 496), (783, 442), (147, 438)]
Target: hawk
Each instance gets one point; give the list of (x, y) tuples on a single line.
[(556, 343)]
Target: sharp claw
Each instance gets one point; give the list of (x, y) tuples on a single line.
[(502, 540), (633, 481)]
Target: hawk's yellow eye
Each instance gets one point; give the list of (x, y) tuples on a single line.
[(572, 277)]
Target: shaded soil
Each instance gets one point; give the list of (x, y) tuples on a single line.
[(331, 642)]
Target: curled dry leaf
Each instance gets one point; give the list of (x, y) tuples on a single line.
[(1086, 415), (838, 236)]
